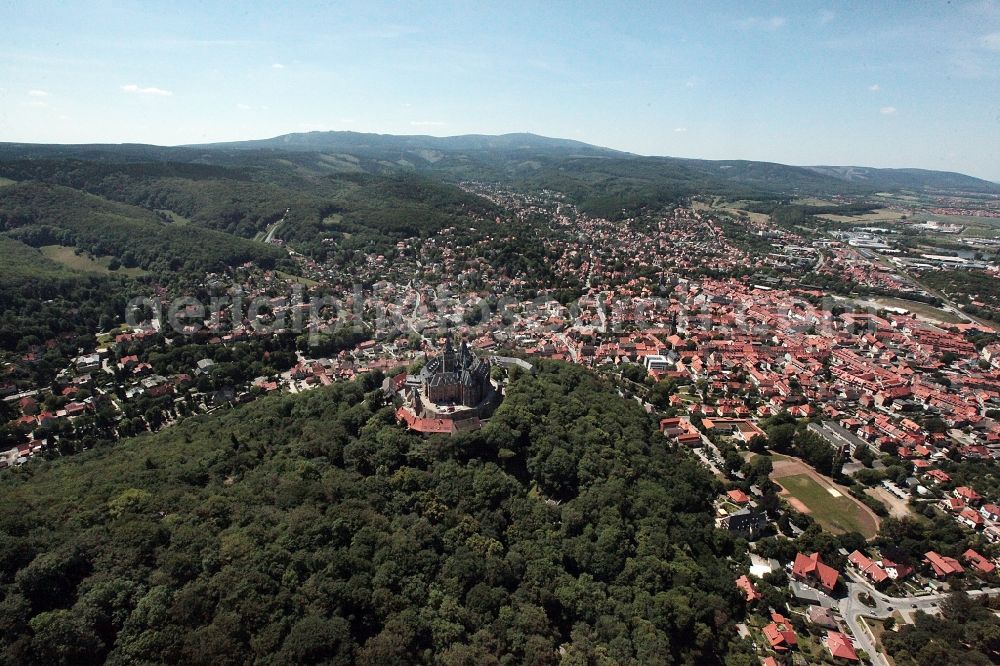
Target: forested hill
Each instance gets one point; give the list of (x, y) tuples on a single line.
[(312, 529), (240, 187), (334, 203), (43, 214), (522, 154)]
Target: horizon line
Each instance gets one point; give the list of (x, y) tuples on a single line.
[(215, 144)]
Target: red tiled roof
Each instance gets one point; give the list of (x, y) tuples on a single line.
[(738, 496), (868, 567), (840, 646), (968, 493), (749, 591), (978, 561), (810, 566), (971, 515), (942, 565), (780, 636)]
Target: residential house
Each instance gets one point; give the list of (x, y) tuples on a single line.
[(969, 495), (810, 568), (840, 646), (942, 565), (971, 518), (875, 573), (821, 616), (747, 587), (981, 564), (779, 634)]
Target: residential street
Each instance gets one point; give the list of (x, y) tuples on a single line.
[(852, 608)]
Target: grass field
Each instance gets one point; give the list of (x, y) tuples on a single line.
[(304, 281), (6, 181), (921, 310), (175, 218), (731, 207), (880, 214), (813, 201), (838, 513), (68, 257), (332, 220)]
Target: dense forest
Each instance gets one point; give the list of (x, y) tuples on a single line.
[(42, 214), (325, 200), (313, 529), (966, 632), (977, 292), (43, 301)]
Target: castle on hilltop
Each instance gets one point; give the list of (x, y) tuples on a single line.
[(450, 393), (455, 377)]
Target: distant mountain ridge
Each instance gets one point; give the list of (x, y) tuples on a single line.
[(750, 171), (347, 141), (603, 180)]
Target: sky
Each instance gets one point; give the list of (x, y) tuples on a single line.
[(887, 84)]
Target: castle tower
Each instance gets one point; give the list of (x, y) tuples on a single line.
[(448, 358)]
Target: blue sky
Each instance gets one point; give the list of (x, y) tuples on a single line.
[(878, 84)]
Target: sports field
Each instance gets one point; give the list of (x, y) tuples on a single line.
[(835, 510)]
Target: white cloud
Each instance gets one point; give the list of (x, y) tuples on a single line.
[(991, 41), (277, 65), (243, 107), (826, 16), (758, 23), (874, 87), (132, 88), (37, 93), (427, 123), (887, 110), (37, 104), (680, 129)]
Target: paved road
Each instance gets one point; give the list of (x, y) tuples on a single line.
[(851, 609), (274, 227), (708, 463)]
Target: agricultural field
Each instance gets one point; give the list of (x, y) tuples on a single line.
[(733, 208), (877, 215), (828, 504), (813, 201)]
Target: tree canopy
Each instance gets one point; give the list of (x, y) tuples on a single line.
[(313, 528)]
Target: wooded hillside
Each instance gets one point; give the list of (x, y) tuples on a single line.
[(311, 528)]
